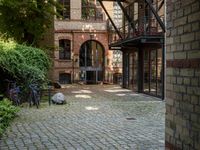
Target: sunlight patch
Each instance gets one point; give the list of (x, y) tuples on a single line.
[(134, 94), (91, 108), (82, 91), (117, 90), (83, 96), (116, 87), (161, 141), (120, 94)]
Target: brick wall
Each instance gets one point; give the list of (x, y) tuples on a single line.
[(75, 9), (63, 25), (183, 74), (77, 31), (77, 39)]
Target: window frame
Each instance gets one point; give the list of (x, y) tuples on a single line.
[(90, 7), (65, 12), (64, 49)]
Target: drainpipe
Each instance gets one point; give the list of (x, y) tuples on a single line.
[(72, 57)]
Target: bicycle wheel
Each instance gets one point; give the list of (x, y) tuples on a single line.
[(16, 100), (36, 100), (30, 99)]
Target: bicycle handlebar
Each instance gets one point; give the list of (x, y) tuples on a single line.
[(34, 87), (9, 81)]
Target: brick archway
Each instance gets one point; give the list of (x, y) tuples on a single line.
[(92, 61)]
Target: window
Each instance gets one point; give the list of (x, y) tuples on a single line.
[(64, 49), (153, 79), (91, 61), (90, 11), (65, 78), (91, 54), (64, 11), (117, 58)]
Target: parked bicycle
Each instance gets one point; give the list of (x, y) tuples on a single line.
[(34, 95), (13, 92)]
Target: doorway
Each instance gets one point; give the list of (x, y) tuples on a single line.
[(152, 73), (91, 62), (130, 73)]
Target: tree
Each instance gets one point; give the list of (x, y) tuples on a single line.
[(26, 20)]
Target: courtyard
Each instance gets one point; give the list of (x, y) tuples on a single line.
[(95, 117)]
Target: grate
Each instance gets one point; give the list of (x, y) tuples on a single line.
[(130, 118)]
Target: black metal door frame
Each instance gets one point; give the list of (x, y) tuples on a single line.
[(141, 72), (86, 68)]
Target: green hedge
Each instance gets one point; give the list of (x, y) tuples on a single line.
[(26, 64), (7, 114)]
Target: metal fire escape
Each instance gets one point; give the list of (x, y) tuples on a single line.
[(148, 26), (142, 26)]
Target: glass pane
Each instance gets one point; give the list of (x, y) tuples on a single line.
[(88, 54), (64, 11), (126, 70), (100, 75), (65, 49), (159, 71), (146, 71), (131, 70), (100, 56), (91, 53), (61, 54), (135, 76), (65, 78), (91, 77), (153, 75)]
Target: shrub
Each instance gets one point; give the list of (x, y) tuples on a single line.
[(7, 114), (24, 64)]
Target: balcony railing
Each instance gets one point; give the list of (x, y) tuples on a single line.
[(141, 27)]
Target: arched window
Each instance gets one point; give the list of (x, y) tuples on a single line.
[(64, 49), (91, 54), (64, 11), (92, 59)]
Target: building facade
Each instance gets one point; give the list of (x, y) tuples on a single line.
[(183, 75), (141, 40), (80, 41)]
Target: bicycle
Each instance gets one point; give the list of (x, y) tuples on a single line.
[(34, 95), (13, 92)]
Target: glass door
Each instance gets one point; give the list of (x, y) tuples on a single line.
[(159, 73), (152, 73), (135, 71), (131, 70), (146, 75)]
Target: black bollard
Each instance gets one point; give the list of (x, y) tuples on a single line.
[(49, 93)]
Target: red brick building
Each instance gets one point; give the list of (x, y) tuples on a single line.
[(80, 41)]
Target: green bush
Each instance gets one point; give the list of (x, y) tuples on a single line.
[(26, 64), (7, 114)]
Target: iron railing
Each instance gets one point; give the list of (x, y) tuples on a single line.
[(142, 27)]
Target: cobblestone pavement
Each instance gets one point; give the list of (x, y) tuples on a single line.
[(96, 117)]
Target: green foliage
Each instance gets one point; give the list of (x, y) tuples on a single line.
[(7, 114), (27, 20), (26, 64)]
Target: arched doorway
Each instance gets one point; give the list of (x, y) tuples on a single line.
[(91, 62)]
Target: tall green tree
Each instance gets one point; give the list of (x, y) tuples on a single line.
[(26, 20)]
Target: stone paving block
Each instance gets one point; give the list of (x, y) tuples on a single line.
[(99, 122)]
